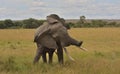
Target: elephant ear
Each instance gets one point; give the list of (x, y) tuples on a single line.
[(41, 31), (43, 37)]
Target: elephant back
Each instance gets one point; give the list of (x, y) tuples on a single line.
[(40, 31)]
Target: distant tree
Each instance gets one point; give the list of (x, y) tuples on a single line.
[(30, 23), (2, 25), (8, 23), (81, 22), (18, 24), (82, 19)]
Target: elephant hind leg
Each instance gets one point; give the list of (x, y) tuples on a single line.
[(50, 52), (38, 53), (44, 56)]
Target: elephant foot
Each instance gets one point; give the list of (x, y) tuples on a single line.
[(44, 57), (36, 59)]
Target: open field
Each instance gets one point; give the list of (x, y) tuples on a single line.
[(17, 51)]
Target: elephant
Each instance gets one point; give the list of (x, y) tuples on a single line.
[(53, 35), (50, 51)]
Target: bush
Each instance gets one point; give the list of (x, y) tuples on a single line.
[(31, 23), (69, 25), (2, 25), (87, 25), (18, 24), (98, 23), (112, 24), (8, 23)]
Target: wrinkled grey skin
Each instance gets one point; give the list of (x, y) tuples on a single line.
[(50, 36)]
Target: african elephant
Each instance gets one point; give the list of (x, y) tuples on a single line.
[(53, 35), (41, 51)]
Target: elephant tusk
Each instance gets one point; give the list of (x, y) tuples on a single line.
[(68, 55), (84, 49)]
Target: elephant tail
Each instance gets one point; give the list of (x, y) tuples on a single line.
[(35, 39)]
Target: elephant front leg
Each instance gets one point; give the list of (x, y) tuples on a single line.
[(59, 51), (60, 55)]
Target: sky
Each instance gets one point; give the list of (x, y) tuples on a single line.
[(68, 9)]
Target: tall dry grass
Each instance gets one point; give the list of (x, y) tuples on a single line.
[(17, 51)]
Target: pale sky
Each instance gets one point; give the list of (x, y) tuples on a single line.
[(69, 9)]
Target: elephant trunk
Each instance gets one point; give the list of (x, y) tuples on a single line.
[(75, 42)]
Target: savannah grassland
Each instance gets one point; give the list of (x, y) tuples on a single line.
[(17, 51)]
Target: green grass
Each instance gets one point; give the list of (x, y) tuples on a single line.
[(17, 51)]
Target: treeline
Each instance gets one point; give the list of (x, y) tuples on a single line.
[(34, 23), (93, 23), (27, 23)]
